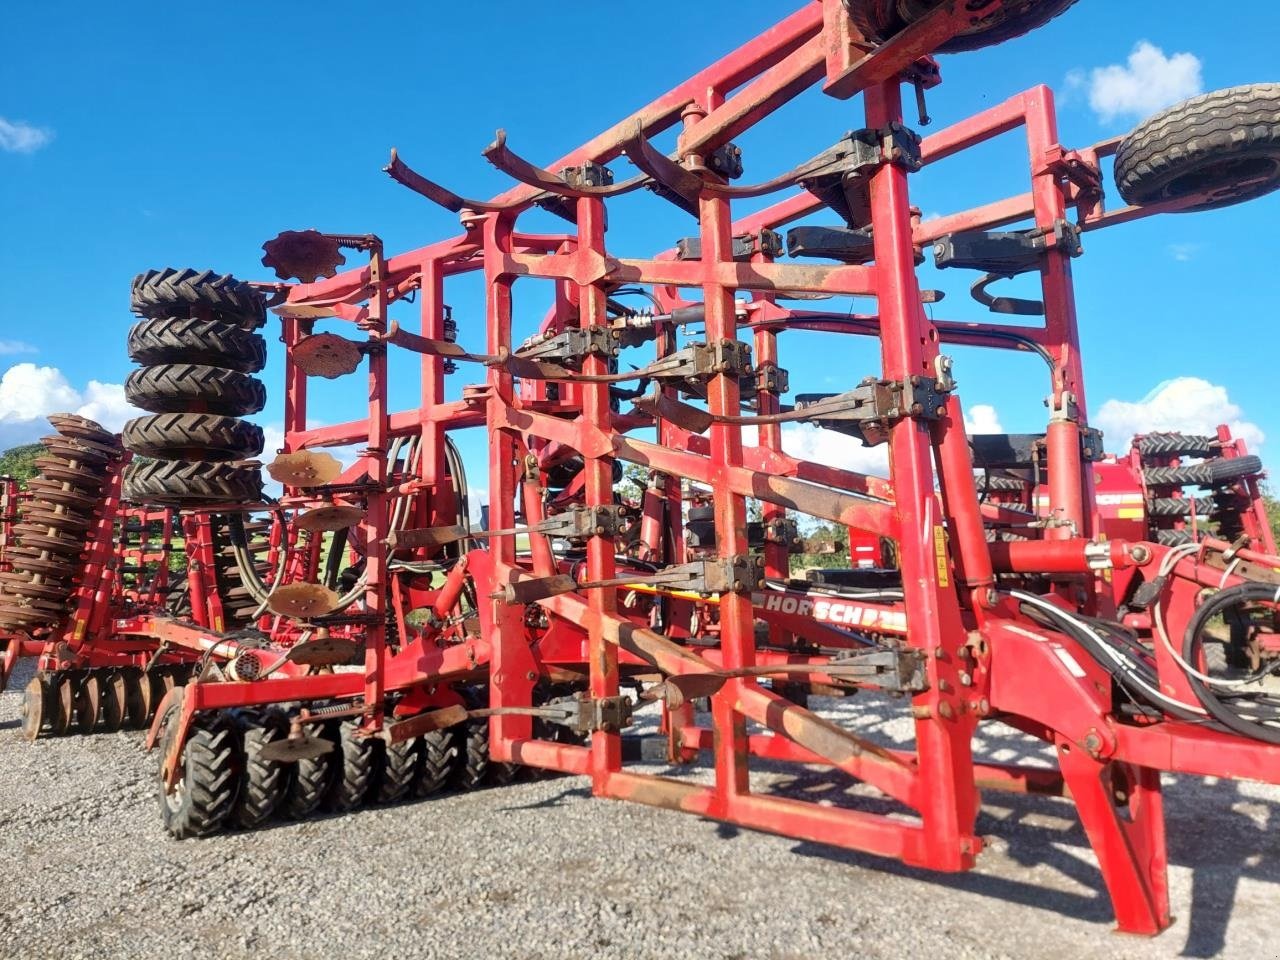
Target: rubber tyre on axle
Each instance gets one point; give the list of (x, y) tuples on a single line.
[(357, 761), (179, 387), (186, 340), (183, 483), (262, 786), (1223, 147), (193, 436), (202, 800), (309, 783), (878, 20), (398, 771)]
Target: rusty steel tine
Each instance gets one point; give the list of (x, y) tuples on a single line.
[(686, 417), (425, 723), (518, 168), (661, 168), (403, 174)]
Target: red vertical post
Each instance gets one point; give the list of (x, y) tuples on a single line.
[(432, 386), (606, 746), (375, 522), (948, 802)]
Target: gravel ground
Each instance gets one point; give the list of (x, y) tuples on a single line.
[(542, 870)]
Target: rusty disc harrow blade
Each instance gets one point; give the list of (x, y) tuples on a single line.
[(83, 478), (17, 616), (293, 749), (323, 652), (302, 600), (37, 704), (61, 520), (21, 585), (76, 450), (51, 493), (82, 428), (304, 469), (325, 519), (327, 355), (305, 255), (32, 560), (62, 546)]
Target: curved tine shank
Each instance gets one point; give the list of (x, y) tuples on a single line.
[(403, 174), (518, 168), (660, 167)]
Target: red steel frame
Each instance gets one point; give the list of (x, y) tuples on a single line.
[(980, 651)]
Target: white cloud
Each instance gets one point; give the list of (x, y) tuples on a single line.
[(982, 418), (1147, 83), (18, 136), (16, 346), (1184, 252), (1185, 405), (808, 442), (29, 393)]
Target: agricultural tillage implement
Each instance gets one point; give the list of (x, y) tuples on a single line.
[(387, 647)]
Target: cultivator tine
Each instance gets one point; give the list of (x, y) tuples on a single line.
[(430, 537), (518, 168), (402, 174), (305, 469), (686, 417), (300, 601), (685, 184), (531, 590)]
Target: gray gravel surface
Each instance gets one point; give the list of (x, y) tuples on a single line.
[(543, 870)]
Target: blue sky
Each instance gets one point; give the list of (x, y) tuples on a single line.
[(141, 135)]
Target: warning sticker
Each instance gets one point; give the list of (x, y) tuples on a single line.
[(940, 551)]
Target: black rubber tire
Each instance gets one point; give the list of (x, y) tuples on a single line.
[(1177, 445), (1174, 538), (179, 387), (881, 19), (263, 782), (186, 292), (472, 769), (201, 804), (994, 484), (1211, 473), (398, 771), (308, 785), (439, 762), (356, 765), (1181, 507), (1224, 146), (193, 436), (184, 340), (183, 483)]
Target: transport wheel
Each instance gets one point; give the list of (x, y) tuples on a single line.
[(64, 693), (1177, 445), (398, 771), (264, 782), (1223, 147), (356, 762), (1174, 538), (113, 701), (38, 704), (307, 786), (185, 293), (178, 387), (440, 761), (1211, 473), (878, 20), (472, 771), (137, 697), (184, 340), (182, 483), (193, 436), (200, 802)]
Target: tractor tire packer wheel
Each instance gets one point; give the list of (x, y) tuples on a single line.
[(878, 20), (1222, 147), (201, 800), (179, 387), (186, 292), (179, 483), (167, 340), (439, 762), (356, 762), (308, 784), (263, 784), (1211, 473), (193, 436), (398, 771)]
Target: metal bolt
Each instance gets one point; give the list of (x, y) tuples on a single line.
[(945, 711), (966, 680)]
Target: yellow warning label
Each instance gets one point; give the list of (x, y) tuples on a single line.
[(1130, 513), (78, 633), (940, 551)]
